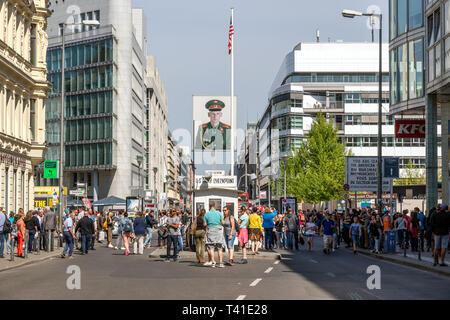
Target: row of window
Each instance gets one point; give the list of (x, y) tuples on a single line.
[(386, 142), (288, 123), (407, 64), (79, 18), (81, 55), (360, 98), (289, 144), (286, 104), (417, 162), (80, 130), (98, 154), (80, 105), (89, 129), (405, 15), (357, 120), (86, 79), (335, 78)]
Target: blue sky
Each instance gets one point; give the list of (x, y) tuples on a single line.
[(189, 40)]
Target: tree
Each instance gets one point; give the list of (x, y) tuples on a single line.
[(315, 172), (412, 175)]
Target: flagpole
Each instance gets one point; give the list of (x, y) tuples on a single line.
[(232, 96)]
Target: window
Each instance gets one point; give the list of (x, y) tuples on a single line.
[(33, 119), (447, 16), (415, 14), (402, 16), (394, 75), (437, 25), (431, 64), (403, 72), (437, 61), (393, 19), (447, 54), (33, 45), (352, 98), (416, 67)]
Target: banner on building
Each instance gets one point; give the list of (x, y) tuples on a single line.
[(212, 122), (263, 195), (410, 128)]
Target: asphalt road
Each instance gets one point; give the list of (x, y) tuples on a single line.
[(106, 274)]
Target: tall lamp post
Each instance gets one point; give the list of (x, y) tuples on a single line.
[(92, 23), (351, 14), (155, 171), (139, 160)]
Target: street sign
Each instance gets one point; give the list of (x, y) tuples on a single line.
[(78, 192), (87, 203), (51, 169), (345, 196), (346, 187), (391, 167), (361, 174)]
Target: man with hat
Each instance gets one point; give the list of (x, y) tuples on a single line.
[(214, 135)]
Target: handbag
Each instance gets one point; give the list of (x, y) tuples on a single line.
[(101, 236), (302, 241)]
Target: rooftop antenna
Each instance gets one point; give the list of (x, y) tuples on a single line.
[(318, 35)]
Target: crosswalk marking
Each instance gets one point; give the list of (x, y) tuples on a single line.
[(268, 270), (242, 297)]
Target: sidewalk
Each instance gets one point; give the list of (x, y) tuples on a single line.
[(411, 260), (6, 264)]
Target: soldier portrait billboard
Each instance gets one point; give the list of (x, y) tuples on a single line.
[(212, 122)]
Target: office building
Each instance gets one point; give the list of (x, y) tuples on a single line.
[(23, 91), (105, 101), (157, 129), (420, 67), (340, 80)]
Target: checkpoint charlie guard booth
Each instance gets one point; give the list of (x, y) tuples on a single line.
[(215, 187)]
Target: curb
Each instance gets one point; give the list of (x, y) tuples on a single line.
[(25, 263), (406, 263)]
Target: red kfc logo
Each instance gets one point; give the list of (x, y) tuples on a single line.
[(410, 128)]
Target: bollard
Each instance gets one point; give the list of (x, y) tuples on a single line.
[(13, 240)]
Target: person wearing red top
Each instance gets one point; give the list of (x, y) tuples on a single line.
[(20, 233), (408, 227)]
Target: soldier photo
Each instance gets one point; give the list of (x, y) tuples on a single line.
[(214, 135)]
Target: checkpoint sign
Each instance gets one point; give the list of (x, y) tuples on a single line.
[(51, 169), (346, 187)]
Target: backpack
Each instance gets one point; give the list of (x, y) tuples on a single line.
[(127, 227), (7, 225), (236, 225)]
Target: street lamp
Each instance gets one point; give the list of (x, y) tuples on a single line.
[(155, 171), (351, 14), (93, 23), (251, 175)]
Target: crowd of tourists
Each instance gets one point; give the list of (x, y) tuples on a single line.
[(219, 230)]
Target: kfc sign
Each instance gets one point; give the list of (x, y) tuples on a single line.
[(410, 128)]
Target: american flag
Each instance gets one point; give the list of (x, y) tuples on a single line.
[(230, 36)]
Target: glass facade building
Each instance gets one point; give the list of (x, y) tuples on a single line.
[(89, 104)]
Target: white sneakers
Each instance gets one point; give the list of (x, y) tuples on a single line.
[(208, 264), (110, 246), (115, 248), (122, 248)]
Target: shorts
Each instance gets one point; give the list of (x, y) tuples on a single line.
[(355, 238), (255, 234), (230, 242), (243, 236), (309, 235), (327, 239), (440, 242), (214, 246)]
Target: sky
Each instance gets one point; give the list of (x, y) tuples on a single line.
[(189, 40)]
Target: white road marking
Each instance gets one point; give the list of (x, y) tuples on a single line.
[(331, 274), (254, 283), (313, 261), (268, 270), (241, 297), (277, 262)]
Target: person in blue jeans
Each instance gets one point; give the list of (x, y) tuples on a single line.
[(172, 224), (268, 225), (68, 235), (3, 236), (149, 223), (87, 230), (355, 232)]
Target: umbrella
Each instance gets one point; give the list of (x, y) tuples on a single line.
[(110, 201)]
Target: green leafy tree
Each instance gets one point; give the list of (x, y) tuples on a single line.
[(412, 176), (315, 172)]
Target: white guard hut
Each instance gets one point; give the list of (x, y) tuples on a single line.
[(215, 187)]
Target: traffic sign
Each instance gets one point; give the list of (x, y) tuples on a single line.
[(51, 169), (391, 167), (345, 196), (346, 187)]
